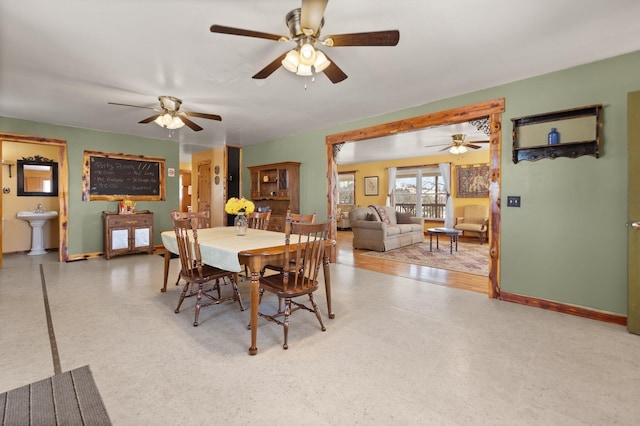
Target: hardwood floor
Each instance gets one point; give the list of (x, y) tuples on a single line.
[(346, 255)]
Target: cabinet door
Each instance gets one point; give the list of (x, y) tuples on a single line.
[(141, 237), (283, 183), (119, 239)]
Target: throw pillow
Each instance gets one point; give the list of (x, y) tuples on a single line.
[(383, 215), (403, 217)]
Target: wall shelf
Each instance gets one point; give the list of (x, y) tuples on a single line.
[(579, 132)]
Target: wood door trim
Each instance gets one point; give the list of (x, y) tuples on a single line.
[(492, 109)]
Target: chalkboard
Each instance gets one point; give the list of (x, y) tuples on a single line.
[(118, 176)]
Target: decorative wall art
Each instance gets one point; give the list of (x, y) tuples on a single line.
[(371, 185), (473, 181)]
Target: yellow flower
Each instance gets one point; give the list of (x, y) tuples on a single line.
[(241, 205)]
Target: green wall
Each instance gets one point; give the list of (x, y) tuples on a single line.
[(567, 243), (85, 217)]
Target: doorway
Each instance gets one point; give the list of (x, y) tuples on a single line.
[(63, 186), (492, 109)]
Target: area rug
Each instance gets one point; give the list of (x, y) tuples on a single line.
[(70, 398), (471, 258)]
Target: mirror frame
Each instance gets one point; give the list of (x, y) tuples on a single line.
[(54, 178)]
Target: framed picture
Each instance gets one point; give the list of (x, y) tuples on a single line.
[(473, 181), (371, 185)]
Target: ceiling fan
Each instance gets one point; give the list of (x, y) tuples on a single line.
[(170, 116), (304, 26), (459, 145)]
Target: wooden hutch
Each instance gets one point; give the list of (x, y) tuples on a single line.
[(276, 187)]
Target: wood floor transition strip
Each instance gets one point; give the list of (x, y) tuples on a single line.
[(52, 336)]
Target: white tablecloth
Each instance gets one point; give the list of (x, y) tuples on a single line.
[(220, 246)]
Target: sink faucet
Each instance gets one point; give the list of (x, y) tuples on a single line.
[(39, 209)]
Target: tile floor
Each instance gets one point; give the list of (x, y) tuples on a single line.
[(398, 352)]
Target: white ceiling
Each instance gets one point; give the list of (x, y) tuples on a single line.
[(62, 61)]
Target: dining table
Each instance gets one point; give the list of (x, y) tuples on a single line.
[(222, 248)]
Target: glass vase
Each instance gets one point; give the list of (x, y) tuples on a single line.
[(240, 223)]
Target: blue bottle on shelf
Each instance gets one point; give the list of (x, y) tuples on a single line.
[(554, 137)]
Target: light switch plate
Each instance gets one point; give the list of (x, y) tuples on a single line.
[(513, 201)]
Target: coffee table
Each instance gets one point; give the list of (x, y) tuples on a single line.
[(452, 233)]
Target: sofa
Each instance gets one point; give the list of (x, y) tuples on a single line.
[(381, 228)]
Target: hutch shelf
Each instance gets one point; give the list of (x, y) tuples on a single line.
[(276, 187)]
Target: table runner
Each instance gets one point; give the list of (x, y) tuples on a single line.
[(220, 246)]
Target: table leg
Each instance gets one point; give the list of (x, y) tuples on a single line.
[(255, 297), (327, 285), (457, 242), (437, 242), (451, 244), (430, 241), (167, 258)]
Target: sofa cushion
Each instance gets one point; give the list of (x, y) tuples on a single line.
[(403, 217)]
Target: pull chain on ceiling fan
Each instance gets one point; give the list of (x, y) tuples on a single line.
[(304, 26), (170, 116)]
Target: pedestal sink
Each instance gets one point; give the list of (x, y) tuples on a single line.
[(37, 221)]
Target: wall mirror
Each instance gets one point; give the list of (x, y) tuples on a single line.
[(37, 177)]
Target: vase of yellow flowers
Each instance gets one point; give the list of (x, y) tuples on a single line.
[(241, 207)]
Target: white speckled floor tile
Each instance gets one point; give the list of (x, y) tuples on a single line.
[(398, 352)]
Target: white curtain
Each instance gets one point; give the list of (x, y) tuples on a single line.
[(445, 171), (391, 186)]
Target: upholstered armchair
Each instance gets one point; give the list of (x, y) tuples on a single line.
[(342, 216), (475, 219)]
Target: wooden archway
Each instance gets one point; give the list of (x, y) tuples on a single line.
[(492, 109)]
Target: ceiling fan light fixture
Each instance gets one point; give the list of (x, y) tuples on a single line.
[(307, 54), (458, 149), (176, 123), (169, 121), (321, 62), (304, 70), (291, 61)]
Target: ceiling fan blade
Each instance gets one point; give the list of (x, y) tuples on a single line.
[(311, 14), (269, 69), (333, 72), (468, 145), (247, 33), (445, 148), (149, 119), (190, 123), (375, 38), (134, 106), (203, 115)]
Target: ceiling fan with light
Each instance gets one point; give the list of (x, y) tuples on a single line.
[(459, 145), (170, 116), (304, 26)]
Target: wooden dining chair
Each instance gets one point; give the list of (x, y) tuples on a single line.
[(303, 218), (194, 272), (204, 221), (259, 220), (300, 274), (295, 218)]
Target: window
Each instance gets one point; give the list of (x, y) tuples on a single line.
[(420, 192), (346, 188)]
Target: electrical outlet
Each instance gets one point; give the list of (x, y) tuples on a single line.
[(513, 201)]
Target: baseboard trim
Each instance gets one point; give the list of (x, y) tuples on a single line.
[(563, 308)]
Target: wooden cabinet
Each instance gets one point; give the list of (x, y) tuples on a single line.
[(277, 187), (127, 233)]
